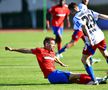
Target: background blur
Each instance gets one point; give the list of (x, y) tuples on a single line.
[(24, 14)]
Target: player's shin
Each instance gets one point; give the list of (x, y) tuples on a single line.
[(62, 49), (107, 60), (90, 71), (59, 45)]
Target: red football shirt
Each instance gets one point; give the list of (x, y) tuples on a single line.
[(45, 59), (58, 15)]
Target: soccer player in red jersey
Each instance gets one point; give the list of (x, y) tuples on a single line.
[(59, 13), (46, 59)]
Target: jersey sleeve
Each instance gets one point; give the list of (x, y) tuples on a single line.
[(36, 51), (77, 23), (95, 15), (51, 10)]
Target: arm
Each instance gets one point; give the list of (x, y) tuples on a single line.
[(59, 62), (68, 22), (103, 16), (48, 17), (21, 50)]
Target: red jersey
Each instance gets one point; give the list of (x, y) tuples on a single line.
[(45, 59), (58, 14)]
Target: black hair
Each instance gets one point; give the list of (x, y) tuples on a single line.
[(47, 40), (72, 5)]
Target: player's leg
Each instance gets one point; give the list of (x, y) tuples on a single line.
[(102, 47), (58, 40), (74, 78), (87, 52), (88, 66), (79, 78), (103, 80), (105, 54), (58, 36), (86, 79)]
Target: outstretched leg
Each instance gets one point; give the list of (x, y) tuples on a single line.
[(88, 67), (105, 54)]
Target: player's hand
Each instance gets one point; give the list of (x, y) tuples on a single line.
[(8, 48), (64, 65), (68, 24), (48, 25)]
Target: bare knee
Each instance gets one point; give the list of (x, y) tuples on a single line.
[(85, 59), (105, 54)]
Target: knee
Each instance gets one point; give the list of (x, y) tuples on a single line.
[(106, 54), (83, 61), (58, 39)]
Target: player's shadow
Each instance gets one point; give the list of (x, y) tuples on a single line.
[(25, 84)]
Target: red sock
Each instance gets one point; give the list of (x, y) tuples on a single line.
[(84, 78), (59, 45)]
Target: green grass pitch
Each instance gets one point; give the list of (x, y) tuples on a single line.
[(21, 71)]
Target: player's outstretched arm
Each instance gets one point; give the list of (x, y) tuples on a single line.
[(103, 16), (21, 50), (68, 22), (48, 17)]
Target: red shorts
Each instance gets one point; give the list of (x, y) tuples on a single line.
[(90, 50)]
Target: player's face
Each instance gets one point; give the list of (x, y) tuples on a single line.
[(51, 45)]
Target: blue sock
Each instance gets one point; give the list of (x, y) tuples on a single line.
[(91, 60), (90, 71), (107, 61), (62, 50)]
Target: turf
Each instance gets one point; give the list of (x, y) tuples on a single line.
[(21, 71)]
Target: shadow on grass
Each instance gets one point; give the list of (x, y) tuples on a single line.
[(94, 69), (25, 84)]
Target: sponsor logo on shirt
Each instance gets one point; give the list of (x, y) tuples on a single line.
[(48, 57), (61, 15)]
